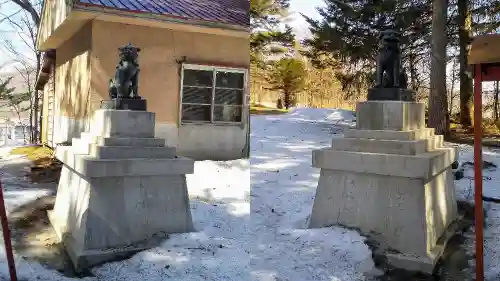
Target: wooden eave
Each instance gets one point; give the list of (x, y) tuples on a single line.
[(48, 62)]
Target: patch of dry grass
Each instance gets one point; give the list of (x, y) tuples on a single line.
[(45, 167), (259, 109), (34, 153)]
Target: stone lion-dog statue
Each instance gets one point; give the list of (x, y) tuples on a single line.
[(125, 83)]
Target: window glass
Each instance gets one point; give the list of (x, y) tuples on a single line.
[(231, 80), (228, 97), (191, 112), (227, 113), (201, 78), (204, 97), (196, 95)]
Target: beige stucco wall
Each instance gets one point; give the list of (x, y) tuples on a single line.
[(72, 85)]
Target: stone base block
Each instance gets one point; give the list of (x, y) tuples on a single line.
[(122, 123), (125, 104), (82, 259), (390, 115), (391, 94), (102, 218), (410, 215)]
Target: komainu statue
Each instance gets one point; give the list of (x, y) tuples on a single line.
[(126, 80), (389, 61)]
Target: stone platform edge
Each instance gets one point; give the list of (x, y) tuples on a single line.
[(421, 166), (90, 167)]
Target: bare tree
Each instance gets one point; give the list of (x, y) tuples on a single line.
[(24, 23)]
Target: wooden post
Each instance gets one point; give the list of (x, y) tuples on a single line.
[(6, 238), (478, 173)]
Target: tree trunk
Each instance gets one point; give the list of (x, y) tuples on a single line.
[(464, 20), (32, 136), (495, 101), (287, 100), (452, 95), (413, 72), (438, 105)]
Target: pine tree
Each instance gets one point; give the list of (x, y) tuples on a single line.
[(289, 76), (265, 20)]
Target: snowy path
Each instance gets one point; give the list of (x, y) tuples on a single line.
[(283, 189)]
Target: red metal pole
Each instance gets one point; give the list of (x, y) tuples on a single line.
[(6, 238), (478, 173)]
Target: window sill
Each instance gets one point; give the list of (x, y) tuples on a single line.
[(201, 123)]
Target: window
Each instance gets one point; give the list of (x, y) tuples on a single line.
[(212, 95)]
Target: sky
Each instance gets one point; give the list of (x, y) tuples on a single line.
[(306, 7)]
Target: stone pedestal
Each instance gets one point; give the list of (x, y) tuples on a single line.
[(121, 190), (391, 178)]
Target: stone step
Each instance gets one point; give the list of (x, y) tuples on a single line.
[(95, 168), (390, 135), (402, 147), (131, 152), (411, 147), (421, 166), (115, 141), (434, 142), (81, 145)]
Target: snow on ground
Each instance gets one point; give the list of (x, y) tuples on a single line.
[(282, 193), (258, 232), (491, 188)]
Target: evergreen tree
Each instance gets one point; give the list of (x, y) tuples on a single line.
[(347, 34), (265, 21), (289, 76)]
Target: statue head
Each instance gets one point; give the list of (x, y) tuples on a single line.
[(389, 37), (129, 53)]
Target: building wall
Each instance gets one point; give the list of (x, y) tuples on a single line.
[(72, 86), (161, 51)]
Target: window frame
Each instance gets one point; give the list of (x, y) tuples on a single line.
[(212, 105)]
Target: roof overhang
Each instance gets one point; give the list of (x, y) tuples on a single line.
[(81, 14), (485, 49)]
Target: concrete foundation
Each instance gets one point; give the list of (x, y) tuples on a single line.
[(391, 178), (121, 190)]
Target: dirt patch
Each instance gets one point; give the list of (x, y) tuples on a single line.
[(44, 168), (461, 136), (45, 171), (34, 238)]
